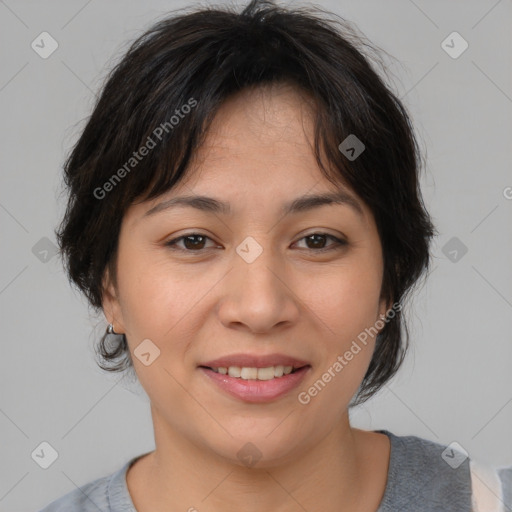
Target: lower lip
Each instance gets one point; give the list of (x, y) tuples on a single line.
[(257, 390)]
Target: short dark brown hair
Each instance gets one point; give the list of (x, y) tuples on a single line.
[(204, 56)]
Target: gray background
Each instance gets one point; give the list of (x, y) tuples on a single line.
[(456, 384)]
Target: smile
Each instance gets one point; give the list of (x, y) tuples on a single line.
[(248, 373), (251, 384)]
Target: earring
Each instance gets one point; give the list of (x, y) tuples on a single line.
[(110, 329)]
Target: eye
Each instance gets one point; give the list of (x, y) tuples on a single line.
[(195, 242), (318, 242)]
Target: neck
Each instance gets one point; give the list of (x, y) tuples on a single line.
[(341, 472)]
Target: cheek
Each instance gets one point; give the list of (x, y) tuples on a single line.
[(346, 302), (346, 298), (346, 305), (155, 296), (156, 306)]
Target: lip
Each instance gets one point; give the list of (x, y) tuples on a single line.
[(257, 391), (255, 361)]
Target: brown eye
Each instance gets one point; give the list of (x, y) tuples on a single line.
[(194, 242), (317, 242)]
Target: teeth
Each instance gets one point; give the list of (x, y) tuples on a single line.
[(251, 373), (265, 373), (234, 371), (255, 373)]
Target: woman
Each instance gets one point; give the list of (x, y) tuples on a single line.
[(245, 210)]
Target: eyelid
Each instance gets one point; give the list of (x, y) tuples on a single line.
[(172, 242), (338, 242), (337, 239)]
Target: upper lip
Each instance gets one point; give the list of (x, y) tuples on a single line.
[(255, 361)]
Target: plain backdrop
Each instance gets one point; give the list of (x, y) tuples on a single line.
[(456, 384)]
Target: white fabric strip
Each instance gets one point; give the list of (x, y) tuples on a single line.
[(487, 493)]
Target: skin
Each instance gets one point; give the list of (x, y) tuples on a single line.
[(292, 300)]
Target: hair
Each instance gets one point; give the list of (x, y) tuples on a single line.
[(191, 63)]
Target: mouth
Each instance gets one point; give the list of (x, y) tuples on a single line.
[(256, 385), (254, 373)]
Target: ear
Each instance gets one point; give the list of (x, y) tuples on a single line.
[(384, 307), (110, 303)]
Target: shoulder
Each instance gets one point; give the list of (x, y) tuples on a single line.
[(430, 476), (105, 494), (426, 475), (90, 497)]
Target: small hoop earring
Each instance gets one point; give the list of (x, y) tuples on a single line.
[(110, 329)]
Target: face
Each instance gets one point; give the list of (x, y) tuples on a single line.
[(202, 284)]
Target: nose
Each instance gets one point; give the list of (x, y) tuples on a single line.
[(258, 296)]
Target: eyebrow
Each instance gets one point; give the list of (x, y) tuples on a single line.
[(300, 204)]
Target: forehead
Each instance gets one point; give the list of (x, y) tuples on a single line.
[(259, 149), (269, 119), (261, 138)]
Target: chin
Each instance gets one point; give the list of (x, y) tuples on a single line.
[(259, 449)]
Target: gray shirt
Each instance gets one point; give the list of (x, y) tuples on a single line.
[(419, 480)]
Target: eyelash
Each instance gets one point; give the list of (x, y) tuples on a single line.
[(337, 245)]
